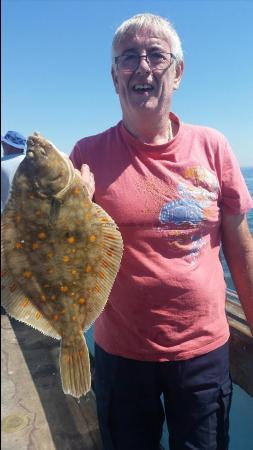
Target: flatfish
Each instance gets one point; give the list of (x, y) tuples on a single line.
[(60, 256)]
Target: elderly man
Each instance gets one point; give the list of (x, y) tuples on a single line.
[(14, 145), (176, 191)]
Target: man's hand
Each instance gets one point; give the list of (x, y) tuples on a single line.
[(88, 180)]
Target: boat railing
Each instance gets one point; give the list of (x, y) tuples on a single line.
[(241, 343), (235, 314)]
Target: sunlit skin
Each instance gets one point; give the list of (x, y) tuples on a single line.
[(145, 114)]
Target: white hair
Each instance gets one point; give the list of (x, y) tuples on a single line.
[(147, 21)]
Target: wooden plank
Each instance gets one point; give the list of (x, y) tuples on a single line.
[(241, 344), (234, 308), (36, 414)]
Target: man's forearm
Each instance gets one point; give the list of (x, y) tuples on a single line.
[(239, 257)]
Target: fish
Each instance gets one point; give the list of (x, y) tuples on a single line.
[(61, 253)]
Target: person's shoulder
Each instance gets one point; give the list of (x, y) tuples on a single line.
[(204, 133), (96, 140)]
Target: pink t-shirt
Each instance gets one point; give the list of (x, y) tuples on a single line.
[(168, 299)]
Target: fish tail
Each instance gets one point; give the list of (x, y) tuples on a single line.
[(75, 368)]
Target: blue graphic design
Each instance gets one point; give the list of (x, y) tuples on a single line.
[(181, 211), (184, 219)]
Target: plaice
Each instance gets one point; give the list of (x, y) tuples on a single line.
[(60, 256)]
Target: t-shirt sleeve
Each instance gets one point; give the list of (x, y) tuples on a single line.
[(76, 156), (235, 196)]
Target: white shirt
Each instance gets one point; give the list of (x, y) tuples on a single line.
[(9, 165)]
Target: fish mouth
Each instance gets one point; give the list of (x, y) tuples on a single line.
[(30, 154)]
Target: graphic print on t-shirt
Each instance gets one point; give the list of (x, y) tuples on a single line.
[(186, 216)]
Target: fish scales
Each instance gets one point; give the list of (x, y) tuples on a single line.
[(60, 256)]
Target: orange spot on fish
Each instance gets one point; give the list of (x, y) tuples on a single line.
[(110, 236), (43, 298), (101, 274), (76, 191), (25, 302), (55, 317), (18, 218), (65, 258), (37, 315), (105, 264), (93, 238), (97, 289), (81, 301), (73, 318), (18, 245), (88, 268), (13, 287), (64, 288), (42, 235), (53, 297), (103, 219), (109, 253), (27, 274), (35, 245), (71, 239)]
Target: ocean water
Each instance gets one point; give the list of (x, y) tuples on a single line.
[(248, 176)]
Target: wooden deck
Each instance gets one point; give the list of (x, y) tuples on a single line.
[(36, 414)]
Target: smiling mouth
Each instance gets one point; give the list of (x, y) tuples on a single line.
[(141, 88)]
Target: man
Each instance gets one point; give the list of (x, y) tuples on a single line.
[(175, 190), (13, 144)]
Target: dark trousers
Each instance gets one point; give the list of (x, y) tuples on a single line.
[(197, 399)]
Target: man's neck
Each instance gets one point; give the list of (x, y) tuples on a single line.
[(150, 131)]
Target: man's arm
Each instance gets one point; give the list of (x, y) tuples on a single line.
[(237, 244)]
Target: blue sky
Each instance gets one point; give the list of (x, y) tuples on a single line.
[(56, 57)]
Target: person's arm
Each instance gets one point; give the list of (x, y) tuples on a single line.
[(237, 244)]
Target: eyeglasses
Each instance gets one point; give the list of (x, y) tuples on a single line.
[(156, 61)]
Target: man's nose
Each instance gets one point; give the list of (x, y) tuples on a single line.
[(144, 64)]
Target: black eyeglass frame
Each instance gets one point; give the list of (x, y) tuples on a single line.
[(173, 58)]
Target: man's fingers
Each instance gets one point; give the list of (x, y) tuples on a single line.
[(88, 179)]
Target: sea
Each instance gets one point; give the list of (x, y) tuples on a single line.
[(248, 176)]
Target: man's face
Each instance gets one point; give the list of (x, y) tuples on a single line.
[(145, 90)]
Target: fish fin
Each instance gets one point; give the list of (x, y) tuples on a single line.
[(75, 368), (107, 269), (15, 301), (17, 305)]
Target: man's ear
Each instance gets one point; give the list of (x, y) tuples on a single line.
[(178, 74), (115, 79)]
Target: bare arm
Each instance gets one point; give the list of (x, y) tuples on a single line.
[(237, 244)]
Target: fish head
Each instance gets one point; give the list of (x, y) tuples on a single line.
[(49, 170)]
